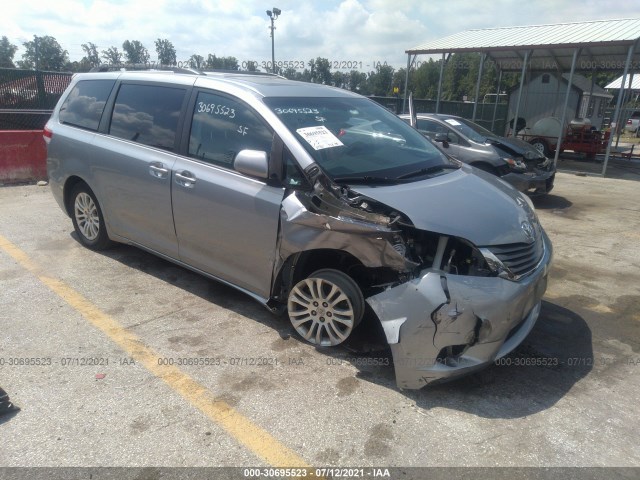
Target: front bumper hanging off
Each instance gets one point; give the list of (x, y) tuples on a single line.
[(441, 326)]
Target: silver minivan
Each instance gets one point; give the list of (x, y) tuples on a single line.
[(310, 199)]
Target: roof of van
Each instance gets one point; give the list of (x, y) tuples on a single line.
[(265, 85)]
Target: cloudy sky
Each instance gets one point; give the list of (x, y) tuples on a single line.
[(361, 31)]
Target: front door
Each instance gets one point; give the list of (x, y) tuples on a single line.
[(226, 222)]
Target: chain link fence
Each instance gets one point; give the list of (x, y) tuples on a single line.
[(484, 114), (27, 97)]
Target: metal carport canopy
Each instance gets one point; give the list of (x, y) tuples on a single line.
[(600, 45)]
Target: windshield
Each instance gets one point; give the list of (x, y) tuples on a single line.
[(471, 130), (355, 140)]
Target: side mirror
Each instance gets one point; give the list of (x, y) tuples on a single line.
[(442, 137), (254, 163)]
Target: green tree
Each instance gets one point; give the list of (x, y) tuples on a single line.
[(43, 53), (166, 52), (380, 81), (252, 66), (7, 52), (91, 57), (423, 81), (112, 56), (306, 74), (221, 63), (230, 63), (75, 66), (320, 71), (455, 78), (196, 61), (135, 52), (340, 79), (358, 82), (290, 73), (398, 80)]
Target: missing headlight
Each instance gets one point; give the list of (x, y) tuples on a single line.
[(450, 254)]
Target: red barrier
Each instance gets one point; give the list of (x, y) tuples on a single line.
[(23, 156)]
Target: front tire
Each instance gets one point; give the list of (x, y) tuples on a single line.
[(325, 307), (87, 218)]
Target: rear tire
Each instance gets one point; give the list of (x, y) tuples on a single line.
[(87, 218), (541, 146)]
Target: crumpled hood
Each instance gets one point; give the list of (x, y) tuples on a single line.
[(476, 206), (517, 145)]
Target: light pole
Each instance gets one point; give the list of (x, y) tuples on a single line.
[(273, 14)]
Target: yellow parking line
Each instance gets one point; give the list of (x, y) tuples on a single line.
[(259, 441)]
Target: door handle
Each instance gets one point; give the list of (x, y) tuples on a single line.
[(158, 170), (185, 178)]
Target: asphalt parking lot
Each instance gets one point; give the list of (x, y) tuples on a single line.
[(99, 332)]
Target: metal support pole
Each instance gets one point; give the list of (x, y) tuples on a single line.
[(514, 130), (626, 93), (273, 49), (440, 85), (406, 83), (475, 103), (495, 106), (576, 52), (37, 52), (616, 113)]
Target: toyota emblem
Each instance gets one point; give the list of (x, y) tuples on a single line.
[(528, 230)]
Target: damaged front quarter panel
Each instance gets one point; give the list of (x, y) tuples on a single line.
[(322, 220)]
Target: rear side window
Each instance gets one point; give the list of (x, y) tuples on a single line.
[(222, 126), (147, 114), (84, 106)]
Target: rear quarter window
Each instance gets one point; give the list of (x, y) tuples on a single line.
[(147, 114), (84, 106)]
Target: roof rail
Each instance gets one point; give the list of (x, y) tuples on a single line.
[(241, 72), (144, 66)]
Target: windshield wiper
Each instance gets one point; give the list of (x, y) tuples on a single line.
[(366, 179), (427, 171)]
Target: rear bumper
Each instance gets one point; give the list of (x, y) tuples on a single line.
[(442, 326)]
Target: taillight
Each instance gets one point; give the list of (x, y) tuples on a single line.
[(47, 135), (629, 122)]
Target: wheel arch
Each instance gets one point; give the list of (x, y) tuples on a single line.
[(69, 184), (300, 264)]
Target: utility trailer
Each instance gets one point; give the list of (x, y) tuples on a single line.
[(578, 137)]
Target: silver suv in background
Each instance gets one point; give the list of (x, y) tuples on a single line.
[(512, 159), (310, 199)]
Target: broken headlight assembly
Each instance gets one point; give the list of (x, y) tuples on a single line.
[(447, 254), (515, 164)]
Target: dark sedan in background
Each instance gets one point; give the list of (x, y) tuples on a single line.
[(513, 160)]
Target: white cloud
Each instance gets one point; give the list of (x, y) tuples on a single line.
[(350, 30)]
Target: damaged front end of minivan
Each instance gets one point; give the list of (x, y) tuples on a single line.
[(448, 305)]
